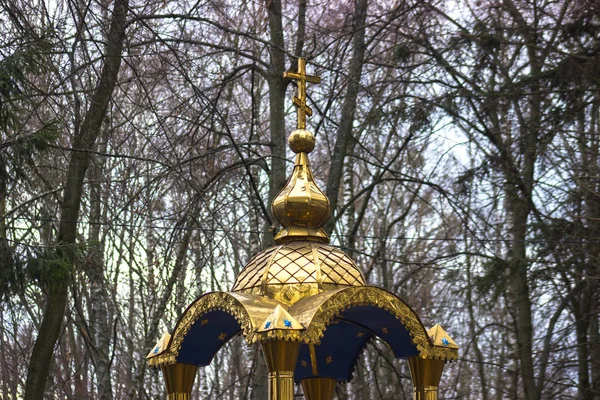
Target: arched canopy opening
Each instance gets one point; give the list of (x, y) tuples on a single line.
[(336, 356), (210, 322), (206, 336), (339, 325), (385, 325)]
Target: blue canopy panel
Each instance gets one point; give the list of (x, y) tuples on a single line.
[(346, 337), (386, 326), (205, 338), (336, 355)]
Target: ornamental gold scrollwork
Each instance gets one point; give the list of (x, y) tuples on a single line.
[(373, 296), (278, 334), (209, 302), (325, 314), (440, 353)]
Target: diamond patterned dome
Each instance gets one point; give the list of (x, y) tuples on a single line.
[(298, 269)]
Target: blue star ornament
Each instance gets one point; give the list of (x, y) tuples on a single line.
[(288, 324), (268, 324), (445, 342)]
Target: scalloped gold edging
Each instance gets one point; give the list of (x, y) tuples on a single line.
[(209, 302), (325, 313), (347, 298)]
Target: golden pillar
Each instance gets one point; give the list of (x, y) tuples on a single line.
[(179, 380), (281, 359), (426, 375), (318, 388)]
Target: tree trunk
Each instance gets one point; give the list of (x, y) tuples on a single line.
[(84, 141), (99, 319), (595, 353), (277, 88), (520, 289), (582, 326), (344, 132), (519, 190)]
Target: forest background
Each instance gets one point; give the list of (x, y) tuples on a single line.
[(142, 141)]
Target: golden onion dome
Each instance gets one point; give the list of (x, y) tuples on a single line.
[(297, 269), (301, 207)]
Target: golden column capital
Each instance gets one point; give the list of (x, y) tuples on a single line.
[(179, 380), (426, 375), (281, 356), (318, 388)]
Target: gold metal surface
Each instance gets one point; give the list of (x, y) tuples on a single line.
[(439, 337), (301, 141), (301, 207), (281, 385), (280, 357), (178, 396), (249, 310), (426, 375), (179, 380), (425, 393), (318, 311), (313, 359), (160, 346), (296, 270), (279, 319), (318, 388), (314, 313), (300, 100)]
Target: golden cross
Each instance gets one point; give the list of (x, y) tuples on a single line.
[(300, 100)]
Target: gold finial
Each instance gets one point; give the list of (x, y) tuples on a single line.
[(301, 207), (300, 100)]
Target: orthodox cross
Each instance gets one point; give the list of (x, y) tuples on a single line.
[(300, 100)]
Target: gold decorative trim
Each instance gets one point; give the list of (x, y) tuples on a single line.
[(160, 346), (234, 304), (333, 304), (439, 337), (315, 313), (277, 334), (440, 353), (279, 319)]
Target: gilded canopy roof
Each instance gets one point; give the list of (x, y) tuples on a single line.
[(298, 269)]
